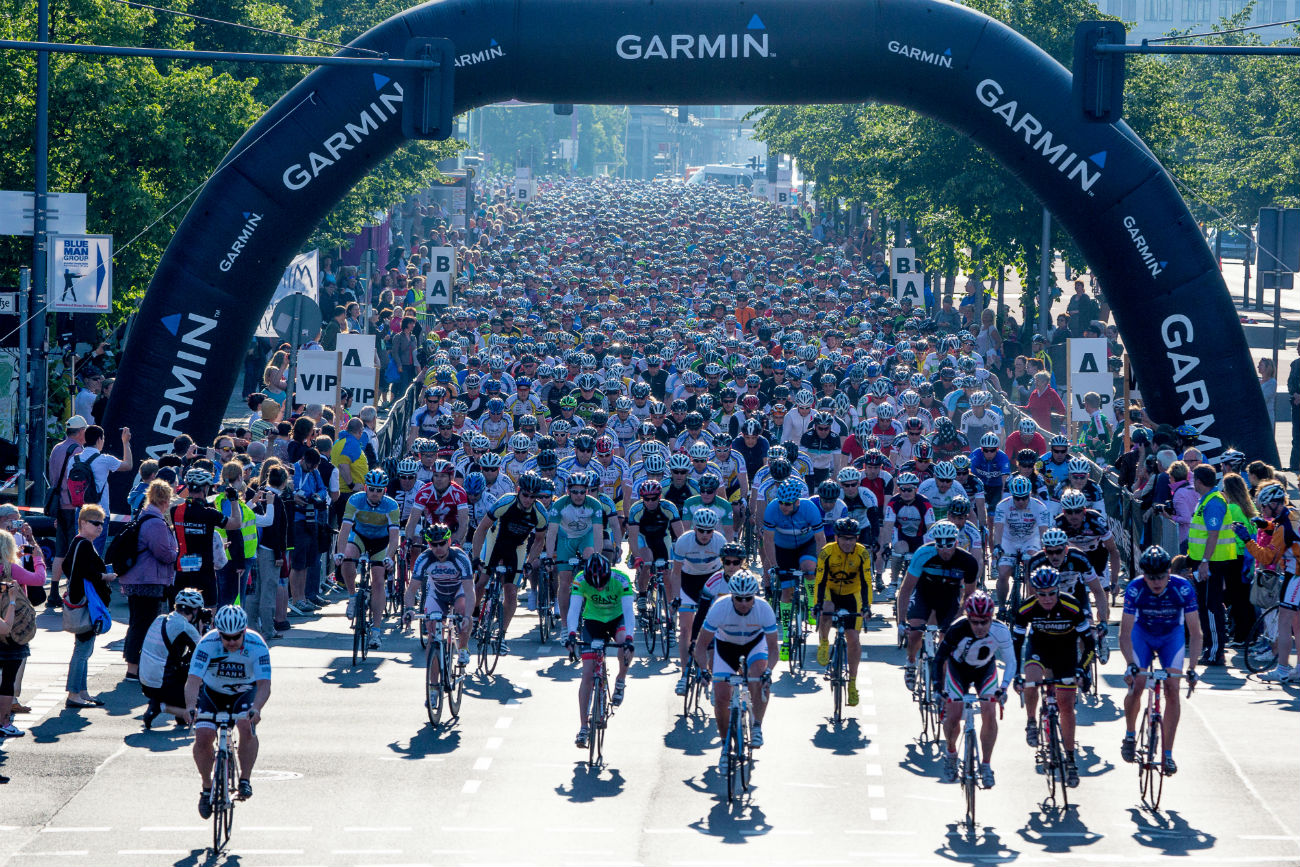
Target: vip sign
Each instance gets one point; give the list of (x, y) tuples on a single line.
[(906, 275), (442, 274), (1088, 372), (318, 378)]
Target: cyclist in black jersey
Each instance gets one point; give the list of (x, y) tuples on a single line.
[(1089, 531)]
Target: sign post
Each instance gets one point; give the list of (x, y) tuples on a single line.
[(1088, 372), (442, 277), (359, 368), (907, 280)]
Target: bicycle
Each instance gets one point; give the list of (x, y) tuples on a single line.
[(837, 671), (1014, 594), (225, 775), (699, 686), (1050, 756), (1150, 755), (929, 702), (395, 579), (601, 705), (740, 744), (796, 631), (969, 750), (657, 619), (1260, 652), (489, 631), (450, 685), (361, 614), (548, 620)]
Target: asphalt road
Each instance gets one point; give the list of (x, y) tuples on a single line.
[(352, 774)]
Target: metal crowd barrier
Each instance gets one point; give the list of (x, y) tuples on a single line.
[(390, 439)]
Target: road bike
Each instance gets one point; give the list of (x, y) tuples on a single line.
[(548, 619), (395, 578), (1260, 652), (796, 630), (444, 676), (1015, 596), (657, 621), (969, 751), (1050, 755), (699, 686), (225, 775), (600, 707), (489, 631), (837, 669), (924, 692), (361, 614), (740, 743), (1150, 734)]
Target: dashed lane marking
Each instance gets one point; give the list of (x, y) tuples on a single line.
[(470, 787), (482, 763)]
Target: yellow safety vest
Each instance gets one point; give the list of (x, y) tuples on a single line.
[(247, 529), (1198, 535)]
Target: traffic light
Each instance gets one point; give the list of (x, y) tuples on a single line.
[(1098, 88), (428, 99)]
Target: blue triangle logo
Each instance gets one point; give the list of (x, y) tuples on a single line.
[(947, 52), (172, 322), (246, 214), (1099, 158), (1164, 264), (756, 23), (492, 44), (380, 80)]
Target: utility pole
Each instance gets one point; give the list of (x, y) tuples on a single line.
[(37, 341), (1045, 277)]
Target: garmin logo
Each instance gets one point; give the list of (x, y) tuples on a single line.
[(191, 359), (1084, 171), (1144, 252), (919, 54), (384, 108), (493, 51), (250, 226), (1177, 333), (688, 46)]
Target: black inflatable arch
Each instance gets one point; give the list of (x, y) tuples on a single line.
[(961, 67)]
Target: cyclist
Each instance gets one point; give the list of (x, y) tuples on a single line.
[(907, 517), (939, 577), (732, 556), (968, 657), (861, 505), (1157, 610), (575, 529), (991, 466), (1078, 577), (1055, 464), (230, 672), (1049, 627), (1079, 481), (792, 536), (696, 558), (441, 501), (1018, 522), (843, 578), (970, 534), (447, 575), (680, 488), (940, 489), (166, 654), (1088, 531), (371, 522), (601, 604), (653, 524), (707, 500), (744, 627)]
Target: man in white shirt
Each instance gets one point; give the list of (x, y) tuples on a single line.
[(101, 465)]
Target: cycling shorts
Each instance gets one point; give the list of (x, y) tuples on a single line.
[(692, 585), (658, 547), (851, 602), (217, 702), (958, 679), (1013, 548), (794, 558), (1289, 599), (1058, 656), (608, 631), (443, 601), (504, 555), (1170, 649), (930, 598), (374, 550), (727, 656), (566, 549)]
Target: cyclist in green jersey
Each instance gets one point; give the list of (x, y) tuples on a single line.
[(601, 605)]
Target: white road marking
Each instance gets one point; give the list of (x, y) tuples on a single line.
[(477, 829), (879, 814), (482, 763), (470, 787), (375, 829), (275, 828), (73, 830), (578, 830), (264, 852), (53, 853), (504, 722), (875, 791), (875, 833), (160, 829), (493, 744), (874, 770)]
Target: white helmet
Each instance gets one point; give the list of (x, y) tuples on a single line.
[(1055, 537), (705, 519), (230, 620), (698, 451), (743, 583)]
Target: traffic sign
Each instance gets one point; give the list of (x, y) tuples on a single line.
[(65, 213), (296, 319)]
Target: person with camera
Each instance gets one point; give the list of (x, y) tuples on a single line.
[(196, 522), (165, 658), (84, 569), (145, 583), (308, 523)]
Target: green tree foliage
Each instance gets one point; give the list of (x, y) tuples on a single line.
[(528, 135)]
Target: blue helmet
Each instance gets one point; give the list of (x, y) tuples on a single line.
[(789, 491), (475, 483)]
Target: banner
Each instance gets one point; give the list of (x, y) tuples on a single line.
[(318, 377), (908, 282), (1087, 372), (80, 274), (442, 276), (302, 276)]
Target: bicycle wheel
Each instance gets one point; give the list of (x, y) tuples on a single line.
[(596, 720), (358, 639), (433, 691), (1261, 651), (667, 627), (797, 645), (838, 679), (220, 799), (746, 750), (496, 637), (1055, 763), (970, 768), (544, 624), (650, 635), (363, 622), (1147, 749), (419, 606), (691, 698), (735, 755), (483, 639)]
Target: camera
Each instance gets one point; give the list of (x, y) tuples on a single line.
[(1153, 465)]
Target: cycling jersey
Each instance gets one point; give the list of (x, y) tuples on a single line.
[(442, 507), (844, 574), (607, 604), (795, 529), (929, 568), (729, 626), (231, 672), (576, 521), (372, 521), (765, 488), (1076, 572), (990, 472), (1052, 634), (963, 651), (719, 507), (1091, 492), (696, 558), (911, 518), (653, 523), (1163, 614), (1055, 472), (512, 523), (755, 458), (679, 494), (939, 500), (442, 576), (1021, 527), (822, 450)]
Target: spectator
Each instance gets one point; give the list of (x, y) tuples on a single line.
[(1259, 474), (1293, 392), (13, 654), (84, 403), (195, 523), (1212, 548), (1044, 401), (1081, 310), (948, 319), (65, 518), (241, 545), (135, 499), (101, 401), (1268, 385), (85, 568), (1241, 509), (273, 520), (1183, 497), (101, 465), (337, 325), (988, 343), (165, 659), (145, 584)]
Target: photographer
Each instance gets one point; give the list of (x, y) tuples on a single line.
[(311, 499), (273, 520), (165, 658)]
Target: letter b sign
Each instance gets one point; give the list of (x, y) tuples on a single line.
[(442, 275)]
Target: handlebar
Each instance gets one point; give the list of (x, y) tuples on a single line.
[(223, 717)]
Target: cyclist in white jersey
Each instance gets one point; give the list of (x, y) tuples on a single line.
[(1018, 523)]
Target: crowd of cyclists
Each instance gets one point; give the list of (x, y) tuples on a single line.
[(653, 390)]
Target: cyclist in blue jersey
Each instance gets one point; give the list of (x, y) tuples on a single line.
[(371, 523), (1157, 609), (991, 466), (792, 536)]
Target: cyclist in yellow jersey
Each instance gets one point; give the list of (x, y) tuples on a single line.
[(843, 573)]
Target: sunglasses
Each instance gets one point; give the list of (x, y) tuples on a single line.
[(235, 637), (1072, 511), (988, 448), (651, 498), (680, 472), (849, 484), (742, 598), (1059, 451), (907, 489), (443, 544), (945, 544), (1025, 497), (1045, 594), (95, 523), (729, 561)]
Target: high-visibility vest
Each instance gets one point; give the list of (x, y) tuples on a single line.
[(247, 529), (1197, 535)]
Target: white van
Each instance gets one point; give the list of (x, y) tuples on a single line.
[(726, 176)]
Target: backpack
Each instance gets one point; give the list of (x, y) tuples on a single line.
[(24, 626), (81, 482), (124, 551)]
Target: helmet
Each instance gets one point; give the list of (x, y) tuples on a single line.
[(944, 531), (1271, 495), (909, 398), (804, 397), (578, 480), (829, 490), (847, 527), (528, 422), (789, 491), (520, 443), (923, 451), (698, 451), (705, 519), (568, 402), (490, 460), (1186, 431), (960, 462), (605, 445), (959, 505), (438, 533), (848, 475), (874, 458), (945, 470), (979, 398), (649, 488), (907, 479), (530, 483), (990, 441), (189, 598), (379, 478), (1027, 426), (584, 443), (1044, 578), (743, 583), (1060, 441), (478, 442), (779, 469), (679, 461), (197, 478), (496, 405), (1026, 457), (1073, 500), (980, 606), (559, 427), (596, 572), (1231, 460), (230, 620), (654, 464), (1078, 467), (733, 549), (546, 460), (407, 468), (1054, 537), (886, 411), (475, 483), (709, 482), (440, 468), (445, 422), (1020, 487), (1154, 560)]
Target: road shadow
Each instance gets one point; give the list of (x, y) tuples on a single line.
[(205, 857), (343, 673), (645, 667), (591, 782), (979, 846), (788, 685), (692, 735), (1099, 708), (66, 722), (844, 739), (428, 741), (1169, 832), (163, 739), (922, 759), (1090, 763), (561, 670), (123, 698), (734, 822), (1057, 831), (497, 688)]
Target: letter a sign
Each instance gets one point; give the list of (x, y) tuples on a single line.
[(907, 279), (442, 274), (1088, 372)]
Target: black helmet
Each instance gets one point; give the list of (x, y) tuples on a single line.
[(847, 527), (596, 572), (1154, 560)]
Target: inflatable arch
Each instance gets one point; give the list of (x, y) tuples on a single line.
[(954, 64)]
